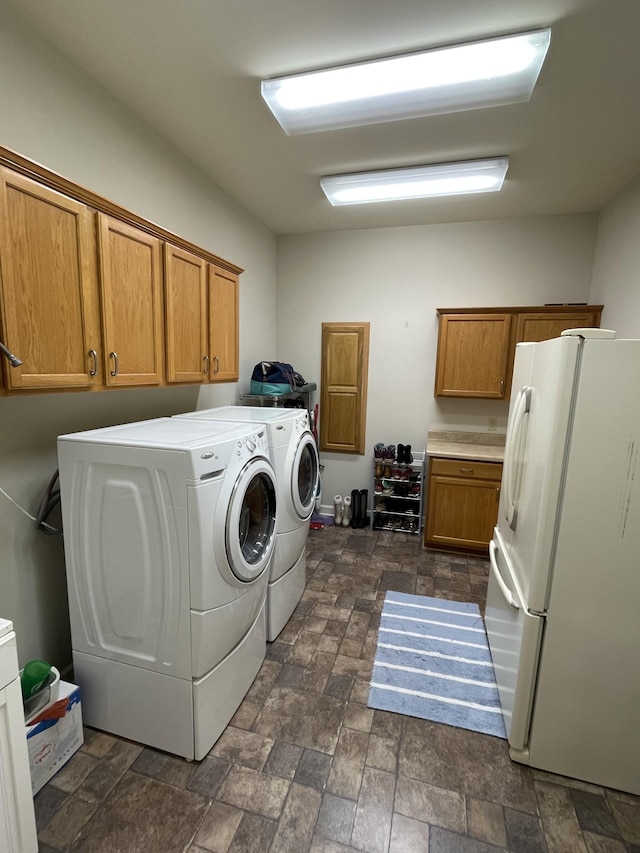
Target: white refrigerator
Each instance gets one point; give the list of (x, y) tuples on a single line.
[(563, 603)]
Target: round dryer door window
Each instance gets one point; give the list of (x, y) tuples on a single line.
[(251, 520), (304, 475)]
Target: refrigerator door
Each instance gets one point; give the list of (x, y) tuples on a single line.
[(587, 706), (542, 391), (514, 639)]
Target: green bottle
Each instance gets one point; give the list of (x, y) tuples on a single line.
[(33, 677)]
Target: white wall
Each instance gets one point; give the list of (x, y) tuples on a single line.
[(616, 269), (395, 279), (53, 114)]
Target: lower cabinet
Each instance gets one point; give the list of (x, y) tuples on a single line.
[(462, 507)]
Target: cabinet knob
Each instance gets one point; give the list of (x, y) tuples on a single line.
[(114, 356)]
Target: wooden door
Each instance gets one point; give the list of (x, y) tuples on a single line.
[(473, 353), (224, 314), (185, 294), (49, 295), (131, 286), (345, 366)]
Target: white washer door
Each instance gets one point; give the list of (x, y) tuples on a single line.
[(251, 520), (304, 476)]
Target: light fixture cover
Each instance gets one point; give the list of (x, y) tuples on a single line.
[(469, 76), (470, 176)]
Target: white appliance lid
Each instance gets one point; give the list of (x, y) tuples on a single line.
[(165, 433), (249, 414), (5, 627), (601, 334)]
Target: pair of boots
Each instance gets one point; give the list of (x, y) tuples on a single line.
[(351, 511)]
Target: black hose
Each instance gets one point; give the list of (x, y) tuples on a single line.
[(49, 502)]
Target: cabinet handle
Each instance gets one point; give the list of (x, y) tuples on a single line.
[(93, 355), (466, 470), (114, 356), (205, 369), (216, 362)]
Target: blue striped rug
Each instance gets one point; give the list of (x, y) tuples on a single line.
[(433, 661)]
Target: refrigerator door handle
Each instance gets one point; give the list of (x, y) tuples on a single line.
[(504, 589), (515, 441)]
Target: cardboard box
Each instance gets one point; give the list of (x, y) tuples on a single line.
[(55, 735)]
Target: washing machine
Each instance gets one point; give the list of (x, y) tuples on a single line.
[(294, 456), (169, 530)]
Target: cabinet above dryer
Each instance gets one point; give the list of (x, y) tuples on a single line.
[(86, 302)]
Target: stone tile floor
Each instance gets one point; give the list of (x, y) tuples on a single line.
[(304, 765)]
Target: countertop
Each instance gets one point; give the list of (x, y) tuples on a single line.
[(481, 446)]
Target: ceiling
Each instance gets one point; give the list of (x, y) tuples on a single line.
[(192, 70)]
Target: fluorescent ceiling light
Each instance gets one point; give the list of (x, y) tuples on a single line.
[(488, 73), (471, 176)]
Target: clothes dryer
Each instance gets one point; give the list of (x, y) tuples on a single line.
[(294, 456), (169, 530)]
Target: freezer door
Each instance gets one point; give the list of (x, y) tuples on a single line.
[(514, 639), (587, 707), (542, 392)]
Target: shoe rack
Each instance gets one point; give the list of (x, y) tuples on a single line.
[(397, 494)]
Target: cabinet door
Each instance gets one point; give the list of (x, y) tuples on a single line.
[(463, 503), (345, 363), (185, 294), (131, 286), (473, 354), (224, 313), (543, 327), (49, 295)]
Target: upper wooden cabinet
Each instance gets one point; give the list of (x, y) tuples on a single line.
[(185, 290), (345, 366), (49, 295), (86, 301), (476, 346), (473, 350), (131, 287), (202, 319), (223, 324)]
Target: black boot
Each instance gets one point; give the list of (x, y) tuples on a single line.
[(363, 499), (408, 458), (400, 454), (355, 508)]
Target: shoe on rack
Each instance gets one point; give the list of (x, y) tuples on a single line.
[(387, 473), (390, 452), (378, 451), (378, 488), (379, 471), (338, 506), (400, 454), (408, 458), (397, 474)]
